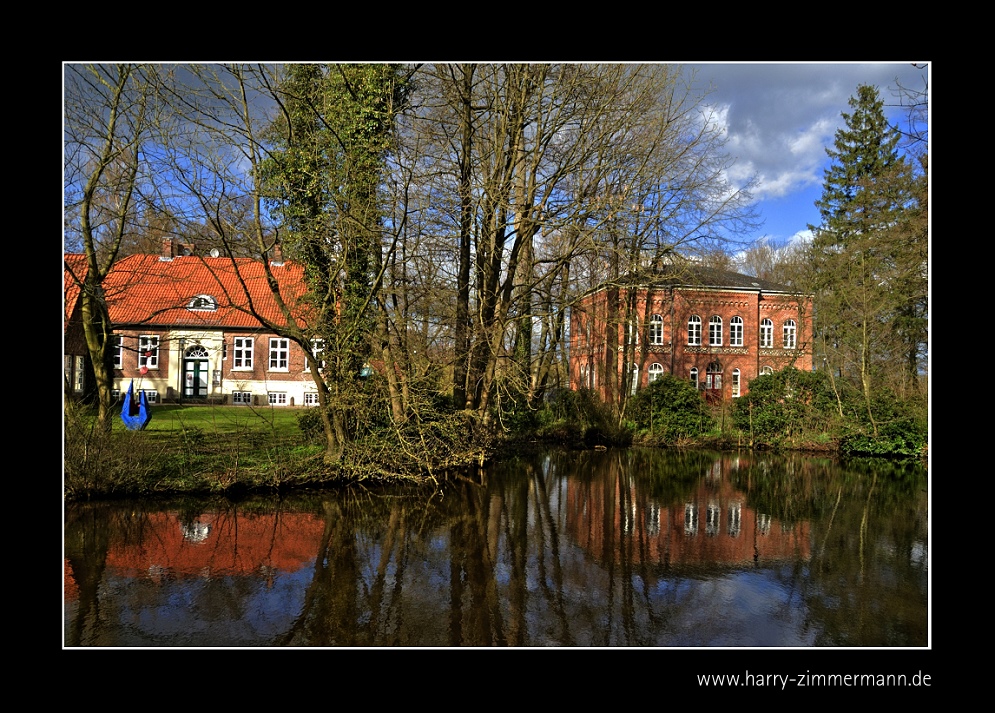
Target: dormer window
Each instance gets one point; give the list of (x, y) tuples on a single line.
[(203, 303)]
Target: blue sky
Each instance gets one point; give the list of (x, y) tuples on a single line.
[(780, 118)]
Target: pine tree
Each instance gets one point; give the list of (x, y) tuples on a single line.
[(860, 252)]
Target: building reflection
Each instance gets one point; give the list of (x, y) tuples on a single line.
[(171, 545), (713, 525)]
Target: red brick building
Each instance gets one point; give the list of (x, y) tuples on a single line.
[(185, 329), (715, 328)]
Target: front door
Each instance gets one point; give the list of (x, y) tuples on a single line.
[(195, 373), (713, 382)]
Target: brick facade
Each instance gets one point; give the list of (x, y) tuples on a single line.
[(709, 332)]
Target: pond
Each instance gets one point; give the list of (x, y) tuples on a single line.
[(629, 547)]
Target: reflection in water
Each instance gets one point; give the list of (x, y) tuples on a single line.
[(617, 548)]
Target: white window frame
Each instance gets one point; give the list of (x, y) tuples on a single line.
[(241, 397), (118, 351), (694, 331), (148, 343), (694, 376), (790, 334), (279, 354), (242, 352), (656, 371), (317, 347), (202, 303), (78, 375), (151, 395), (736, 332), (735, 383), (766, 371), (276, 398), (713, 376), (656, 330), (715, 330), (766, 334), (311, 398)]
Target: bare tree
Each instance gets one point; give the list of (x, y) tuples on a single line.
[(110, 112)]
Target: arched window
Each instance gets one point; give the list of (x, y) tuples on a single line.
[(736, 332), (635, 378), (766, 370), (656, 329), (715, 331), (656, 371), (766, 334), (735, 383), (790, 334), (203, 303), (694, 377), (694, 331), (197, 352)]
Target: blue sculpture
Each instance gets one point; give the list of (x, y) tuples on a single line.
[(135, 416)]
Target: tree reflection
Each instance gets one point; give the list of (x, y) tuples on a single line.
[(616, 548)]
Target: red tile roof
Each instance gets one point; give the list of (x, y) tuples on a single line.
[(74, 269), (144, 289)]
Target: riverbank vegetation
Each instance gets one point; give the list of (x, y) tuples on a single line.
[(236, 450)]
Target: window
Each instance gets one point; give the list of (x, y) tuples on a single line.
[(715, 331), (766, 334), (78, 375), (736, 332), (735, 383), (713, 376), (635, 378), (148, 351), (277, 398), (735, 519), (694, 377), (203, 303), (790, 333), (317, 347), (766, 370), (116, 395), (224, 351), (310, 398), (242, 349), (151, 395), (656, 330), (713, 514), (694, 331), (68, 367), (691, 519), (656, 371), (241, 397), (279, 350), (118, 352)]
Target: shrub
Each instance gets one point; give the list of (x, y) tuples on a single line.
[(785, 403), (670, 409), (100, 463)]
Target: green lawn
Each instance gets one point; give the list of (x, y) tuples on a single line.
[(220, 420)]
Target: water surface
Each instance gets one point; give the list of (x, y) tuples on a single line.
[(619, 548)]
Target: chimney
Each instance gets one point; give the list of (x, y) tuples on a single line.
[(168, 249), (277, 258)]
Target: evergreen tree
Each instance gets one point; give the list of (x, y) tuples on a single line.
[(862, 253)]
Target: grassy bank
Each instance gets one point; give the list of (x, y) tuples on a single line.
[(189, 449)]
